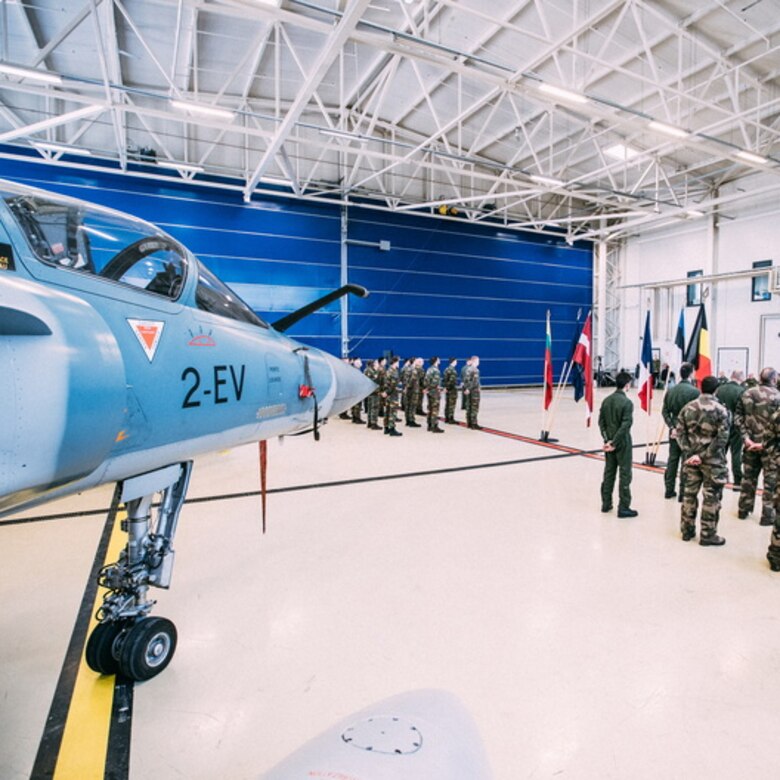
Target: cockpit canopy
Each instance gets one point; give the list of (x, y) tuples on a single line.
[(73, 235)]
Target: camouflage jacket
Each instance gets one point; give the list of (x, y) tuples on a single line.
[(372, 374), (703, 429), (406, 372), (728, 394), (432, 381), (754, 410), (774, 436), (390, 383), (471, 380), (675, 399), (450, 378), (417, 377), (615, 418)]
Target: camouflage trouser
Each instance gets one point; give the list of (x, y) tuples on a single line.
[(356, 409), (419, 408), (434, 400), (391, 405), (752, 465), (412, 399), (452, 400), (620, 460), (472, 407), (372, 403), (672, 466), (735, 445), (773, 554), (710, 477)]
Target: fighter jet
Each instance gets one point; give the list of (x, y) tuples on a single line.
[(123, 357)]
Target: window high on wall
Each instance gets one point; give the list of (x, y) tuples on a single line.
[(693, 291), (760, 284)]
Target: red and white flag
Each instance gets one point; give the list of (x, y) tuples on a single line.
[(583, 356)]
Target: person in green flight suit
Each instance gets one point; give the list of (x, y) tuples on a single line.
[(674, 400), (615, 418)]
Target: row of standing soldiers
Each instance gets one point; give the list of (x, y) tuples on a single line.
[(706, 423), (407, 387)]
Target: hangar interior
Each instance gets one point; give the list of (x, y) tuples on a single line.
[(475, 167)]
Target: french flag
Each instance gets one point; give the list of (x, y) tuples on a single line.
[(646, 370)]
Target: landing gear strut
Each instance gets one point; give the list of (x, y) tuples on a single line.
[(127, 639)]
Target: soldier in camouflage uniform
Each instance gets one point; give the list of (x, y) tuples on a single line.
[(472, 393), (703, 434), (450, 383), (773, 441), (390, 394), (357, 364), (463, 372), (754, 410), (432, 388), (615, 419), (728, 394), (380, 380), (372, 402), (413, 393), (406, 372), (420, 371), (674, 400)]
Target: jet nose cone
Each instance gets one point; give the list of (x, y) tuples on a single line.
[(351, 386)]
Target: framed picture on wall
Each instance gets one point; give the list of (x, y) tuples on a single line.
[(733, 359)]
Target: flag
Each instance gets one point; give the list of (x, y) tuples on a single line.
[(646, 370), (583, 358), (577, 380), (679, 339), (698, 351), (548, 370)]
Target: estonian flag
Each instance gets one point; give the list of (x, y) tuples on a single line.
[(679, 339)]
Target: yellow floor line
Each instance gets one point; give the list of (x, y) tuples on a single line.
[(84, 745)]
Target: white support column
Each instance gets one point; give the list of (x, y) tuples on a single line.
[(600, 250), (344, 280)]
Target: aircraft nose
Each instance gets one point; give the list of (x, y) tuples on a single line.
[(351, 386)]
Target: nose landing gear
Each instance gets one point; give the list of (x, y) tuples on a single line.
[(127, 640)]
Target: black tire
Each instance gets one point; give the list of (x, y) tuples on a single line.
[(100, 653), (148, 648)]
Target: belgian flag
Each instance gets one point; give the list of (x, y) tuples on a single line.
[(698, 351)]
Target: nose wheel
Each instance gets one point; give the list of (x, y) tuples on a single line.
[(139, 650)]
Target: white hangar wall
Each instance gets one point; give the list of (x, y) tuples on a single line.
[(730, 242)]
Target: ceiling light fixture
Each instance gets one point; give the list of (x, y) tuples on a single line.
[(56, 148), (621, 152), (662, 127), (177, 166), (197, 108), (30, 73), (754, 158), (547, 180), (273, 3), (563, 94), (694, 213)]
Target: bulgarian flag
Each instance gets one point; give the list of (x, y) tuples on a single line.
[(583, 356), (548, 370), (646, 370), (698, 351)]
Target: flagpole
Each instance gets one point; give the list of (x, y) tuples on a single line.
[(557, 398)]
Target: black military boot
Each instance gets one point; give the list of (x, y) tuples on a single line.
[(394, 432), (712, 541)]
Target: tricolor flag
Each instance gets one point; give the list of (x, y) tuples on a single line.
[(698, 351), (583, 357), (679, 338), (548, 370), (646, 370)]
